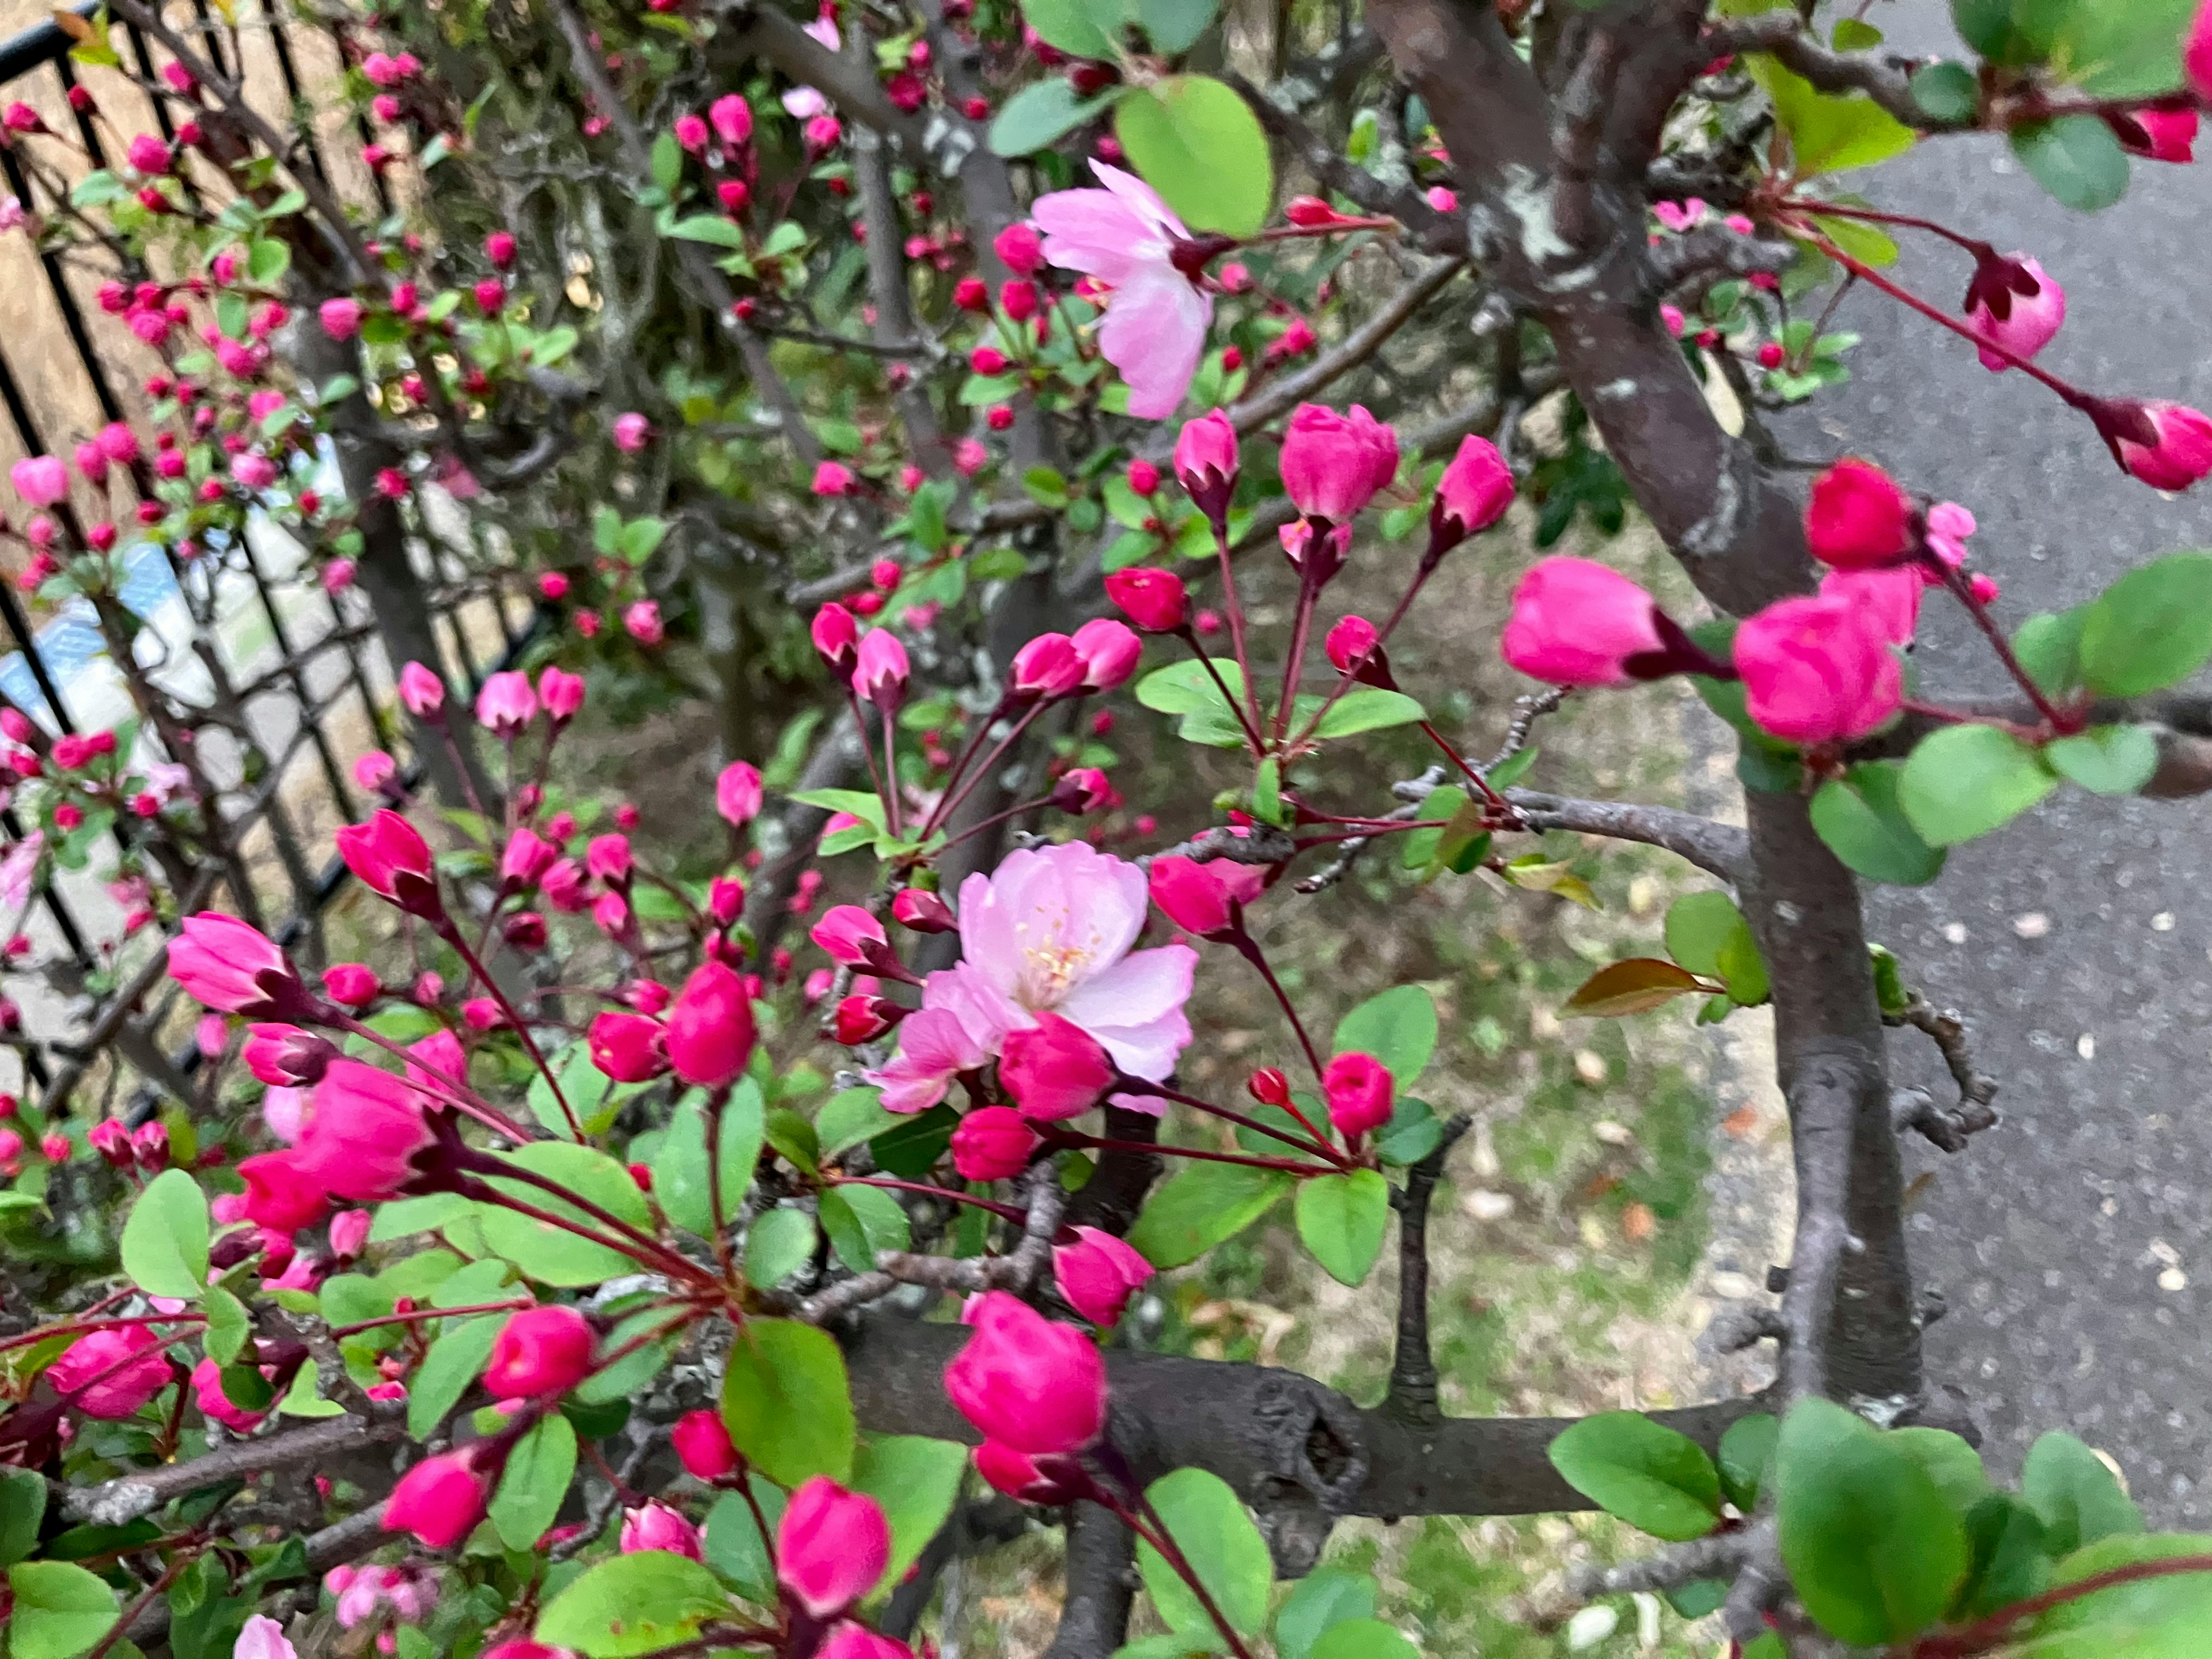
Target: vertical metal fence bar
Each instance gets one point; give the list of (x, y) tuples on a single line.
[(64, 300), (214, 38)]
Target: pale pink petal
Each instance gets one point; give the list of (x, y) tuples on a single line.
[(824, 28), (1142, 200), (1088, 230), (1135, 1008), (1155, 333), (935, 1047), (804, 103), (984, 1011)]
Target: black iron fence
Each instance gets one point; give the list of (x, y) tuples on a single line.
[(292, 676)]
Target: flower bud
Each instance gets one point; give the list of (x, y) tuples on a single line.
[(284, 1056), (1108, 651), (1473, 494), (1269, 1086), (1206, 465), (1577, 622), (1033, 1385), (1156, 600), (850, 935), (992, 1143), (1205, 899), (440, 1500), (880, 671), (1048, 666), (1334, 465), (711, 1033), (923, 911), (540, 1351), (704, 1445), (831, 1547), (1055, 1069), (860, 1019), (627, 1047), (1085, 789), (1098, 1273), (654, 1525), (1857, 517), (1358, 1088), (1817, 670)]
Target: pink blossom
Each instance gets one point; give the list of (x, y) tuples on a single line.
[(1054, 1069), (1857, 516), (1109, 652), (992, 1143), (732, 117), (147, 154), (1578, 623), (561, 693), (833, 478), (1026, 1381), (341, 318), (631, 431), (1679, 217), (254, 470), (1891, 597), (440, 1500), (111, 1373), (208, 1395), (1948, 526), (421, 691), (263, 1638), (40, 480), (1359, 1089), (2182, 451), (655, 1525), (831, 1547), (2030, 321), (641, 622), (1051, 929), (1098, 1273), (935, 1047), (1332, 464), (540, 1351), (507, 703), (738, 793), (1817, 670), (1156, 320), (880, 669)]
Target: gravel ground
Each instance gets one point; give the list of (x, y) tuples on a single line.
[(2075, 1241)]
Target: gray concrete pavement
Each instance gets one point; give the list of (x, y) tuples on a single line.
[(2074, 1241)]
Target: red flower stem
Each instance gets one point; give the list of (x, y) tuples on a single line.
[(1101, 1143), (421, 1076), (85, 1325), (715, 1206), (1294, 666), (867, 751), (1007, 1210), (452, 936), (2073, 395), (891, 774), (1346, 680), (513, 1304), (951, 804), (1837, 210), (1235, 606), (633, 1242), (1189, 637), (1248, 948), (1171, 1552), (1985, 1633), (1497, 802), (1319, 1143), (979, 728), (1936, 711), (1963, 589), (996, 818), (1334, 228)]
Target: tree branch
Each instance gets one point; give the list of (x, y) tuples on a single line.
[(1412, 1395), (128, 1497), (1977, 1089), (1785, 35), (1100, 1580)]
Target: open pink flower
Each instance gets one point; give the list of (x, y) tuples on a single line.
[(935, 1047), (111, 1373), (1050, 929), (1155, 321), (362, 1134)]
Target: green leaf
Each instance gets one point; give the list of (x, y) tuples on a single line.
[(632, 1604), (2068, 1486), (777, 1244), (267, 260), (536, 1478), (455, 1361), (1947, 91), (2106, 760), (1204, 1519), (1042, 112), (2049, 647), (1966, 781), (734, 1546), (916, 1143), (1397, 1026), (1858, 238), (1872, 1546), (1199, 144), (1708, 935), (1341, 1219), (22, 1507), (786, 1401), (1412, 1133), (164, 1241), (1174, 26), (1185, 687), (1324, 1598), (860, 1221), (1746, 1450), (2077, 158), (710, 227), (1862, 820), (1081, 28), (2122, 51), (227, 1325), (680, 1173), (2151, 629), (583, 1085), (551, 1254), (1828, 134), (2011, 1558), (848, 1118), (1951, 1463), (60, 1610), (1657, 1480), (1854, 34), (1367, 709), (916, 1479), (2161, 1618), (1199, 1206), (1364, 1638), (667, 163)]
